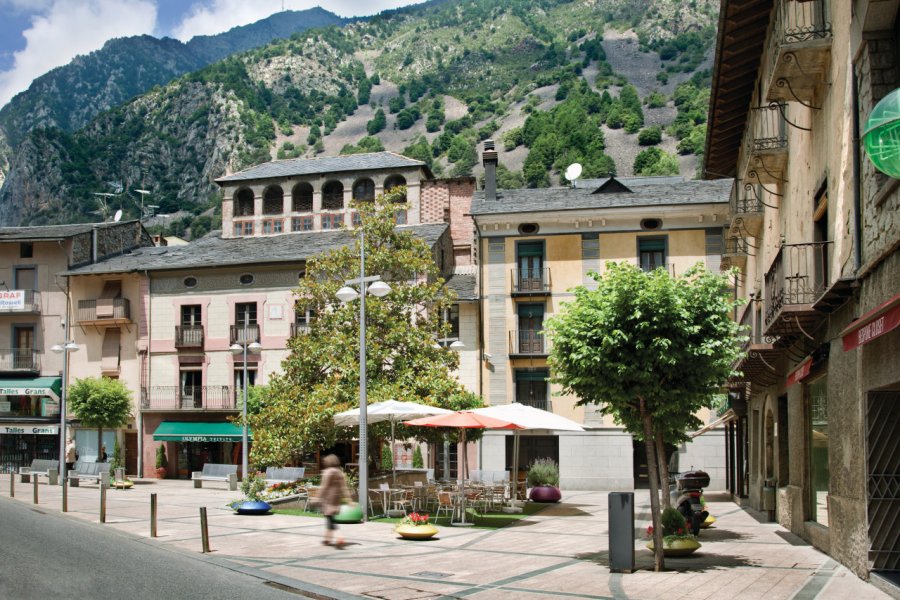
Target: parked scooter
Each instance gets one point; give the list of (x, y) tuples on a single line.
[(685, 497)]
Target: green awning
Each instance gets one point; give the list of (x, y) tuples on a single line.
[(530, 249), (34, 386), (532, 374), (651, 244), (198, 431)]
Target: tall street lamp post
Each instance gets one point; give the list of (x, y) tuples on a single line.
[(64, 349), (367, 285), (244, 347)]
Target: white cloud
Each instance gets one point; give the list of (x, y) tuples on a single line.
[(67, 28)]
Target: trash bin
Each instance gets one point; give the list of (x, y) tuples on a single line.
[(768, 498), (621, 532)]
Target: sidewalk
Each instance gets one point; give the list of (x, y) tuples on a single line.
[(559, 552)]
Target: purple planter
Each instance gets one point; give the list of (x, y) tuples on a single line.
[(545, 493)]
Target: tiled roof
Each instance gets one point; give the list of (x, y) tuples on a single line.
[(213, 251), (463, 285), (50, 232), (328, 164), (656, 193)]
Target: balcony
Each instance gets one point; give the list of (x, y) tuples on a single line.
[(797, 278), (244, 334), (760, 352), (766, 149), (746, 209), (20, 360), (189, 336), (735, 253), (299, 329), (799, 51), (174, 397), (528, 342), (530, 282), (105, 311), (20, 302), (541, 403)]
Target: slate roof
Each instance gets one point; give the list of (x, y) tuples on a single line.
[(463, 285), (213, 251), (327, 164), (662, 192), (50, 232)]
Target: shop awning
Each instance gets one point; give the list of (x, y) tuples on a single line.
[(36, 386), (873, 324), (728, 416), (198, 431)]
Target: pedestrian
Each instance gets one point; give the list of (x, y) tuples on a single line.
[(332, 493), (103, 455), (71, 455)]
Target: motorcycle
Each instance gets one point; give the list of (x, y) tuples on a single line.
[(686, 496)]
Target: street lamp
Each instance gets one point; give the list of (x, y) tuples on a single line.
[(346, 294), (244, 348), (64, 349)]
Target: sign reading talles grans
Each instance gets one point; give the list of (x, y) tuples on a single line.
[(29, 429)]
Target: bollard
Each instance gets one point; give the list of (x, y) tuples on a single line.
[(153, 515), (34, 479), (65, 497), (102, 503), (12, 485), (204, 529)]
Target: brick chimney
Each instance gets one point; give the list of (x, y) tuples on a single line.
[(489, 159)]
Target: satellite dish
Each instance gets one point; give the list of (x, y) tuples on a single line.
[(118, 216), (573, 171)]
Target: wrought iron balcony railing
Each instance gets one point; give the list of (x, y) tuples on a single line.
[(528, 342), (189, 336), (531, 281), (104, 310), (299, 329), (541, 403), (797, 277), (244, 334), (798, 49), (20, 301), (26, 360), (196, 397)]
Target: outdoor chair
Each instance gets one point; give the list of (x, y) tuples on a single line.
[(312, 497), (376, 498), (444, 503), (404, 500)]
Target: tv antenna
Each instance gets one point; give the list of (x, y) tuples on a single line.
[(573, 172), (103, 201), (143, 193)]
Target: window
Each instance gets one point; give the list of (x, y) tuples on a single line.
[(531, 387), (271, 226), (400, 217), (332, 221), (302, 197), (356, 219), (531, 329), (246, 279), (451, 315), (302, 224), (333, 195), (273, 200), (243, 228), (395, 181), (819, 477), (239, 382), (23, 355), (191, 389), (651, 224), (243, 203), (245, 313), (26, 250), (190, 282), (530, 260), (651, 253), (190, 315), (303, 319), (364, 190), (25, 278), (529, 228)]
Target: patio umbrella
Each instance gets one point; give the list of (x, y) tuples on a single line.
[(389, 410), (528, 418), (462, 420)]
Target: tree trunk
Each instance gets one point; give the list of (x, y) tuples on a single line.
[(653, 473), (663, 470), (99, 443)]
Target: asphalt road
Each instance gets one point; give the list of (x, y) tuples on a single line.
[(45, 555)]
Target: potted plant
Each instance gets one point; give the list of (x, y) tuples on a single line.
[(677, 538), (253, 488), (161, 462), (416, 526), (543, 478)]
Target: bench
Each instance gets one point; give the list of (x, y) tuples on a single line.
[(89, 471), (41, 466), (283, 474), (214, 472)]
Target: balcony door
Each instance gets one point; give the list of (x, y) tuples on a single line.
[(23, 352), (531, 388), (191, 325), (530, 259), (531, 326), (25, 278), (822, 248), (191, 388), (651, 253)]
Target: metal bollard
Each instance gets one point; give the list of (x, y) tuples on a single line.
[(65, 498), (12, 485), (34, 479), (153, 515), (102, 502), (204, 529)]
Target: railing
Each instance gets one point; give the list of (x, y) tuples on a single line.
[(189, 336), (244, 334), (541, 403), (744, 201), (31, 304), (768, 128), (528, 341), (798, 276), (111, 309), (531, 281), (299, 329), (797, 22), (735, 246), (174, 397), (19, 359)]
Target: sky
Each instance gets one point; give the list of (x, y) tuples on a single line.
[(38, 35)]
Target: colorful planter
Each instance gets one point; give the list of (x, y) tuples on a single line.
[(416, 532), (349, 513), (678, 547), (545, 493), (253, 507)]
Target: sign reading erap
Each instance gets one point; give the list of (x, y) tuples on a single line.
[(17, 391), (12, 300), (29, 429)]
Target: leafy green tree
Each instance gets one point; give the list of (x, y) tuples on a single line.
[(387, 458), (695, 142), (366, 144), (418, 460), (650, 136), (100, 402), (377, 123), (320, 376), (420, 150), (650, 350)]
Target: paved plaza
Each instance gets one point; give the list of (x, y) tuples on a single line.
[(560, 552)]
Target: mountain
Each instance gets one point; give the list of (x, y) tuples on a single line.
[(554, 81)]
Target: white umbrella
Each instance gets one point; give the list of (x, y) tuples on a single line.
[(527, 418), (389, 410)]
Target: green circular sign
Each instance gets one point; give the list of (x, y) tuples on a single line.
[(882, 135)]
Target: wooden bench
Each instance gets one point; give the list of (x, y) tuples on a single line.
[(283, 474), (214, 472), (41, 466), (89, 471)]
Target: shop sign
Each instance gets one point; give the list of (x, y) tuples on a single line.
[(29, 429), (207, 438), (12, 300), (17, 391), (801, 372), (868, 330)]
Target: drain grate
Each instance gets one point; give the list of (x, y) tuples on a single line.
[(432, 574), (403, 593)]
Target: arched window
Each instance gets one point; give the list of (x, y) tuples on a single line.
[(364, 190), (333, 195), (273, 200), (302, 197), (243, 203), (392, 182)]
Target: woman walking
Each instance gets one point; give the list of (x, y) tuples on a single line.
[(332, 494)]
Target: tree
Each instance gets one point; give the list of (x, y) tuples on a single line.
[(320, 376), (651, 350), (650, 136), (102, 402), (377, 123)]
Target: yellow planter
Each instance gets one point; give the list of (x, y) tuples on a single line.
[(416, 532), (677, 547), (709, 521)]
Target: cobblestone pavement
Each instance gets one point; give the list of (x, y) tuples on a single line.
[(559, 552)]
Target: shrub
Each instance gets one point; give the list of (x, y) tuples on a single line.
[(543, 471), (387, 458), (161, 460), (418, 461), (650, 136), (253, 487)]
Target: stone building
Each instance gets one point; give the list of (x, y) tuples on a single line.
[(816, 411)]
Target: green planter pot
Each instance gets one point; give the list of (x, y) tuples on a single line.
[(349, 513), (416, 532), (679, 547)]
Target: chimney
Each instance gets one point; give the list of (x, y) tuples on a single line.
[(489, 158)]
